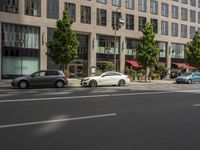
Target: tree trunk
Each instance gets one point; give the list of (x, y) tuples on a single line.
[(146, 73)]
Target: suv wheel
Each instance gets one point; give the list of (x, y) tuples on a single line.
[(59, 84), (23, 84)]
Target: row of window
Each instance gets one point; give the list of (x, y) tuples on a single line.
[(142, 4)]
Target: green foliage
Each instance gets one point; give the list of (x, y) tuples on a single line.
[(63, 47), (103, 66), (147, 51), (192, 51)]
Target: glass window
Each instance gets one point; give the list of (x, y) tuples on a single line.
[(116, 3), (71, 9), (130, 4), (33, 7), (142, 5), (192, 31), (118, 16), (154, 7), (154, 22), (193, 2), (9, 6), (184, 1), (174, 29), (184, 14), (192, 16), (175, 12), (129, 22), (164, 27), (53, 9), (20, 36), (142, 22), (102, 1), (162, 47), (184, 31), (86, 14), (177, 51), (199, 3), (101, 17), (199, 17), (131, 46), (165, 10)]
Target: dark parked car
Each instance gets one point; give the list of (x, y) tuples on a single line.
[(41, 78)]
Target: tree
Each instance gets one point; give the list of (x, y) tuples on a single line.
[(192, 51), (62, 48), (147, 51)]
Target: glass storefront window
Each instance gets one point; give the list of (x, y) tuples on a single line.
[(177, 51)]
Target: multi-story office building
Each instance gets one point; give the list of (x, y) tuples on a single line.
[(26, 25)]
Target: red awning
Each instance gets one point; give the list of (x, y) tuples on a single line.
[(183, 65), (134, 63)]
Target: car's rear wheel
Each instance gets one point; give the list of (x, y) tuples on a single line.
[(23, 84), (189, 81), (93, 83), (59, 84), (121, 83)]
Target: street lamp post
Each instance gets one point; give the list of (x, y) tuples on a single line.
[(121, 22)]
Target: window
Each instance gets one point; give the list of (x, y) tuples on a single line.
[(192, 16), (184, 1), (33, 7), (9, 6), (193, 2), (131, 46), (163, 47), (177, 51), (53, 9), (184, 31), (199, 17), (101, 17), (192, 31), (142, 6), (71, 9), (175, 12), (174, 29), (165, 10), (199, 3), (154, 7), (142, 22), (154, 22), (118, 16), (164, 27), (85, 14), (102, 1), (130, 4), (184, 14), (129, 22), (116, 3)]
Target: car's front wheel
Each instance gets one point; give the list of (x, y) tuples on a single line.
[(59, 84), (23, 84), (93, 83)]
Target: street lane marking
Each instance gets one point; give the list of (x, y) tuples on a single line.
[(81, 97), (55, 121), (196, 105)]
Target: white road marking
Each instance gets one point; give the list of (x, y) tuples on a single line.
[(54, 121), (81, 97), (196, 105)]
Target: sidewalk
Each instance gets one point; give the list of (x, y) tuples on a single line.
[(76, 82)]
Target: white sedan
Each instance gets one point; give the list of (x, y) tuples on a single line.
[(107, 78)]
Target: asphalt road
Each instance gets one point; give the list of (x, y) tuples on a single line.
[(105, 118)]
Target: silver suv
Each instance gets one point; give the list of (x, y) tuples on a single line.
[(41, 78)]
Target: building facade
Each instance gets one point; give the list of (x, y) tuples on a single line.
[(26, 25)]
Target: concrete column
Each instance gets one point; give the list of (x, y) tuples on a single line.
[(122, 54), (168, 60), (92, 54), (43, 48), (0, 51)]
